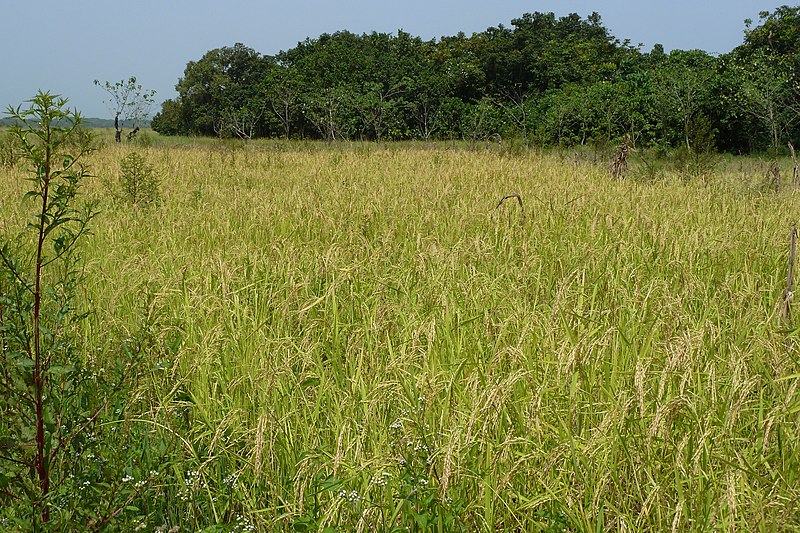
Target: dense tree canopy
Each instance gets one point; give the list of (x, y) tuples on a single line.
[(549, 80)]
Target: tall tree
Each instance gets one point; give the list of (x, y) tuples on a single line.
[(170, 120), (222, 88), (767, 68), (128, 101), (768, 96), (283, 90), (683, 86)]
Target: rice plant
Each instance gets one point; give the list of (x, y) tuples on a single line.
[(360, 338)]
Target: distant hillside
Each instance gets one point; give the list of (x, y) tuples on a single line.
[(91, 122)]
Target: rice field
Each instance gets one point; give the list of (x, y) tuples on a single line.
[(356, 338)]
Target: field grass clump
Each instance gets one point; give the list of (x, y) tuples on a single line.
[(138, 181), (353, 338)]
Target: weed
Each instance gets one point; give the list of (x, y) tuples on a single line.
[(138, 181), (66, 424)]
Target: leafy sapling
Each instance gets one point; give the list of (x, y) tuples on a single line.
[(49, 401), (39, 275)]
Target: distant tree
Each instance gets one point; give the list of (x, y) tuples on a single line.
[(327, 110), (768, 96), (376, 106), (607, 102), (128, 101), (485, 121), (765, 69), (169, 120), (516, 103), (283, 92), (776, 34), (242, 121), (559, 80), (452, 118), (219, 94), (427, 92), (460, 67), (683, 87), (554, 52), (559, 111)]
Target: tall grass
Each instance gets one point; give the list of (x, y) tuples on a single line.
[(352, 338)]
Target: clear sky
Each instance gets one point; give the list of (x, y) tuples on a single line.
[(63, 45)]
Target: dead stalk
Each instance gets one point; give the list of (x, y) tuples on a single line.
[(619, 167), (784, 304), (773, 177), (512, 195)]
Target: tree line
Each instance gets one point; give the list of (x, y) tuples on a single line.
[(547, 80)]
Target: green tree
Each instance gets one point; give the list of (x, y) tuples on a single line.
[(283, 91), (683, 85), (219, 94), (169, 121), (128, 101), (764, 75), (555, 52), (560, 110), (517, 105), (326, 109), (376, 106), (767, 96), (777, 33)]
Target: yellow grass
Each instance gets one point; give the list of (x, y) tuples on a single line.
[(326, 315)]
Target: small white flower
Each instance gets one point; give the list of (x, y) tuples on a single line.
[(383, 479)]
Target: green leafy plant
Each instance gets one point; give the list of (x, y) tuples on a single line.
[(700, 159), (37, 308), (143, 139), (8, 150), (61, 427), (418, 503), (138, 180)]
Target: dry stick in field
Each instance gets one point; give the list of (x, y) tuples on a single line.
[(795, 182), (784, 304), (504, 198), (773, 177), (619, 167)]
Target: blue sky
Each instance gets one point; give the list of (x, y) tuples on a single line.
[(62, 46)]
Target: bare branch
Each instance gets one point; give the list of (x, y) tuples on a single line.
[(512, 195)]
